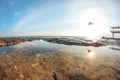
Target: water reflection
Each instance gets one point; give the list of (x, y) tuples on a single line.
[(38, 58), (91, 54), (46, 47)]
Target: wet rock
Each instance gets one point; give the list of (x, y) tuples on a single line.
[(15, 67), (74, 42), (21, 76), (54, 76)]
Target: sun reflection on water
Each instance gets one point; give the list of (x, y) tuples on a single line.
[(91, 54)]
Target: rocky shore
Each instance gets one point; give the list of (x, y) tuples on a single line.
[(30, 62), (19, 66), (67, 41), (13, 41)]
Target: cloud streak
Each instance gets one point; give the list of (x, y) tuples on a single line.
[(36, 15), (47, 19)]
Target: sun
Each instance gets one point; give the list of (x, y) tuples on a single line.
[(92, 22)]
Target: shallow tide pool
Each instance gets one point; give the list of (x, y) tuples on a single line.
[(41, 60)]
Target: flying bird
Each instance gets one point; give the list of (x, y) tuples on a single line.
[(90, 23)]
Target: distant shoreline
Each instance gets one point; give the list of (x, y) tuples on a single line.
[(59, 39)]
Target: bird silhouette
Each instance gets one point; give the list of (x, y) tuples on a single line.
[(90, 23), (88, 50)]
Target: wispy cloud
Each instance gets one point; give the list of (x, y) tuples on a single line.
[(17, 13), (35, 17), (12, 2), (46, 18)]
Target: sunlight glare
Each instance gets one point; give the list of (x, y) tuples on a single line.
[(91, 54), (96, 17)]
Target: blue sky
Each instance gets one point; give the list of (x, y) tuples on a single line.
[(58, 17)]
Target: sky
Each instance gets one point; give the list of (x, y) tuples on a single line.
[(58, 17)]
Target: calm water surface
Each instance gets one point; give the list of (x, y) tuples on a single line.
[(105, 61), (44, 47)]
